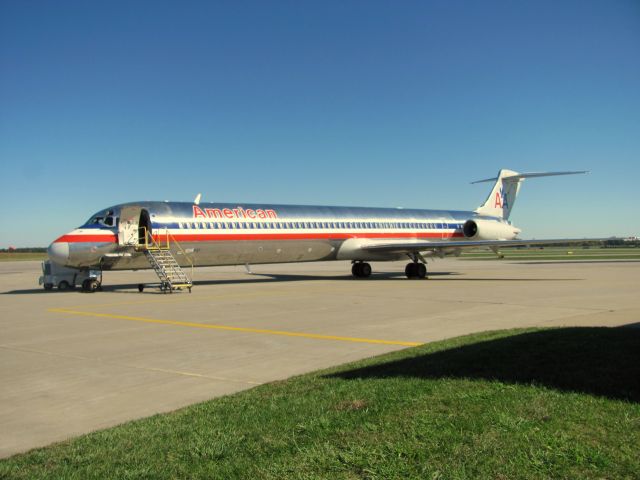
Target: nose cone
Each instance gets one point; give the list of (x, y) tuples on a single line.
[(59, 252)]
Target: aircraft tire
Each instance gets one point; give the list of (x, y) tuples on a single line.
[(421, 270), (411, 270), (141, 287), (365, 270), (361, 270), (90, 285), (355, 270)]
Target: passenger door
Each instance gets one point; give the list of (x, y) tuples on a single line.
[(128, 228)]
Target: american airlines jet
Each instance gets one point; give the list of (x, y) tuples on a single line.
[(169, 235)]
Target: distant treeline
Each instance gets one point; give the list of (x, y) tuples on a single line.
[(619, 242), (24, 250), (611, 243)]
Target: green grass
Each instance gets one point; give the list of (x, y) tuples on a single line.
[(21, 256), (556, 403)]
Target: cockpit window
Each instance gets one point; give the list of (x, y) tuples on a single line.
[(105, 218)]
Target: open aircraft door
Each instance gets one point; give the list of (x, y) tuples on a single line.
[(128, 228)]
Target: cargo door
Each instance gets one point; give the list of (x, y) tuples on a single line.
[(128, 227)]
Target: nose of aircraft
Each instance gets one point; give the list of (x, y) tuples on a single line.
[(59, 252)]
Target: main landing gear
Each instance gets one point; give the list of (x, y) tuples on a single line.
[(413, 270), (361, 270), (416, 269)]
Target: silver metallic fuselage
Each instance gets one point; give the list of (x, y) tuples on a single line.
[(231, 234)]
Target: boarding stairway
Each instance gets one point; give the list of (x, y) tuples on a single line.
[(172, 276)]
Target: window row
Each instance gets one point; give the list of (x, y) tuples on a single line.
[(317, 225)]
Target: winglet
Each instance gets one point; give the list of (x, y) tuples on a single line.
[(197, 200)]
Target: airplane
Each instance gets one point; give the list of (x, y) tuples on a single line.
[(123, 237)]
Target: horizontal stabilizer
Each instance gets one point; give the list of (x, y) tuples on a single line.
[(521, 176), (507, 184)]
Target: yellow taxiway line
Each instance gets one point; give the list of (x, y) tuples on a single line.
[(234, 329)]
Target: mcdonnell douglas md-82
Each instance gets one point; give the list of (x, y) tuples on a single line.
[(167, 236)]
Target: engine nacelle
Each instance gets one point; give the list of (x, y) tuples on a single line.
[(489, 230)]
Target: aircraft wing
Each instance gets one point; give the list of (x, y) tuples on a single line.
[(440, 245)]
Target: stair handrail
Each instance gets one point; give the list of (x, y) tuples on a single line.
[(150, 243), (157, 245), (169, 238)]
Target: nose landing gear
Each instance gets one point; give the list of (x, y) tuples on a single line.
[(91, 285)]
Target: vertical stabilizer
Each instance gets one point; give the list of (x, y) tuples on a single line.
[(505, 190), (503, 194)]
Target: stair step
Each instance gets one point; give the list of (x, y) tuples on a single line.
[(167, 268)]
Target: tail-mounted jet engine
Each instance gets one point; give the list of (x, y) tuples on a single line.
[(489, 230)]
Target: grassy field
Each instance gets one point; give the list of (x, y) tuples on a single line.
[(557, 403), (556, 253), (21, 256)]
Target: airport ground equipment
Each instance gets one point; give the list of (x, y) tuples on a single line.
[(172, 276), (65, 278)]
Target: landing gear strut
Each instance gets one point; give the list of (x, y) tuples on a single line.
[(361, 270)]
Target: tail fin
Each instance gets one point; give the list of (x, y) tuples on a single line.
[(505, 190)]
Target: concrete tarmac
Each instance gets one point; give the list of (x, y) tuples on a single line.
[(71, 362)]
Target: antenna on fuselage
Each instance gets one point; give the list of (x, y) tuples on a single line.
[(197, 200)]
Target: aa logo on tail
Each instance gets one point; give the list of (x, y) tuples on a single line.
[(501, 199)]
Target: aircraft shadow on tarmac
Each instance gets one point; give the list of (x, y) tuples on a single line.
[(561, 262), (268, 278), (595, 360)]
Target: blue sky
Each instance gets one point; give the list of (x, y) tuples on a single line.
[(340, 103)]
